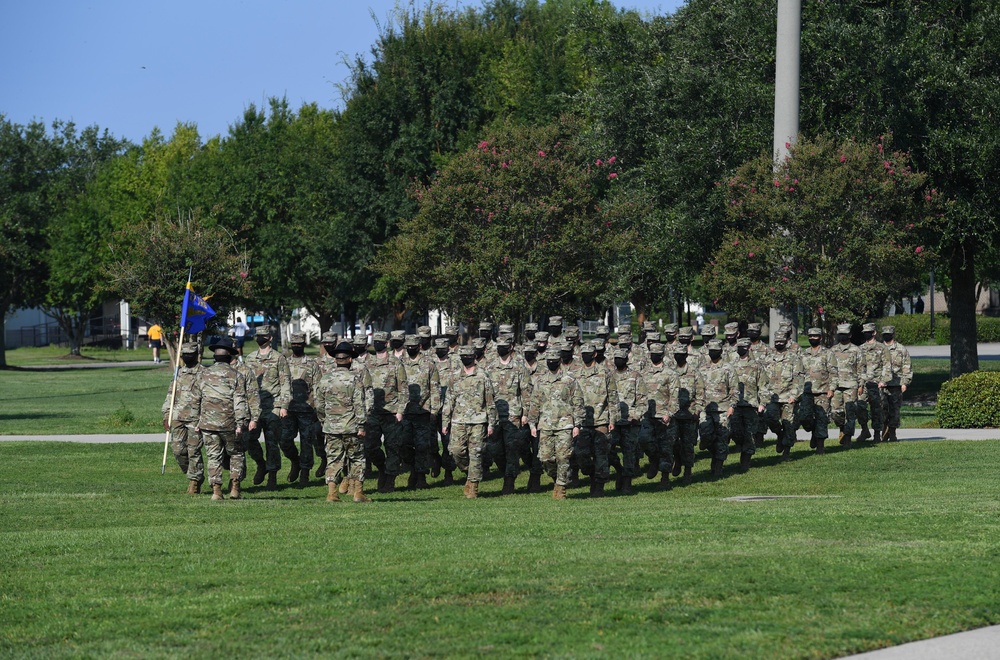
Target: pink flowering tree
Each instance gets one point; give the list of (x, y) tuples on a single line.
[(840, 228), (513, 226)]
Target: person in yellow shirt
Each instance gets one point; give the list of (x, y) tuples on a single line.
[(155, 334)]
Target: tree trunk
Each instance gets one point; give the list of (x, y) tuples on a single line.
[(325, 321), (639, 302), (964, 352), (3, 337)]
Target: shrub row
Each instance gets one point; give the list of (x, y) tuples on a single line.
[(916, 328), (971, 401)]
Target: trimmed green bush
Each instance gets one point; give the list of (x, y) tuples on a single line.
[(915, 329), (988, 329), (971, 401)]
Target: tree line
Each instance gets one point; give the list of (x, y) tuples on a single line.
[(520, 158)]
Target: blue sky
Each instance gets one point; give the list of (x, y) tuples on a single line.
[(130, 65)]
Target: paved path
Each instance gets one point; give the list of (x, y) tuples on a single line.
[(981, 644), (986, 351)]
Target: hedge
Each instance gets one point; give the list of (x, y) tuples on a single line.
[(971, 401), (915, 329)]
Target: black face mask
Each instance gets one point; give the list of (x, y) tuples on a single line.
[(670, 337), (541, 351), (588, 357), (298, 351), (681, 360), (452, 339), (553, 365), (869, 335), (358, 352), (468, 360), (190, 360), (685, 340), (529, 335), (656, 358), (225, 359), (742, 351), (530, 356), (780, 346), (480, 352), (485, 334), (379, 346), (815, 341), (413, 352), (714, 355), (754, 335), (843, 339), (343, 364), (503, 351), (565, 357), (425, 345), (396, 344), (887, 338), (442, 353), (627, 347), (620, 363), (732, 340), (261, 340)]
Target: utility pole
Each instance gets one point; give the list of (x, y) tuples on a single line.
[(786, 103)]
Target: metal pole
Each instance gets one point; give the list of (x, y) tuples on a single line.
[(932, 306)]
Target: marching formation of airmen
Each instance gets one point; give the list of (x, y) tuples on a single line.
[(552, 405)]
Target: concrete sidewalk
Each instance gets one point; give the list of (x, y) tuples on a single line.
[(986, 351), (981, 644)]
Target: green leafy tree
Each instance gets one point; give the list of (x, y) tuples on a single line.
[(839, 227)]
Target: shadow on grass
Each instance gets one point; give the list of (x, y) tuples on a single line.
[(32, 415)]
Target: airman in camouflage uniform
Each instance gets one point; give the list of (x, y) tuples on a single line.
[(901, 376), (600, 402), (603, 333), (814, 409), (655, 437), (758, 349), (632, 406), (555, 328), (783, 373), (185, 442), (222, 416), (301, 419), (687, 405), (752, 394), (670, 331), (787, 329), (389, 393), (396, 339), (512, 391), (479, 350), (451, 332), (877, 373), (340, 409), (556, 415), (685, 337), (470, 415), (846, 369), (721, 393), (447, 364), (572, 336), (530, 329), (275, 383), (486, 335), (419, 437), (425, 337), (729, 345), (252, 391)]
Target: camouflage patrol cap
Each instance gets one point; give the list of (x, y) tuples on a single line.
[(714, 345), (189, 347), (451, 330), (542, 335), (844, 329), (265, 331), (625, 339), (466, 351), (555, 321), (680, 349), (888, 329), (781, 337), (754, 326), (506, 329), (603, 330), (784, 325), (397, 334), (531, 327), (329, 338), (441, 343), (529, 347), (815, 332), (381, 335), (358, 340), (411, 340), (868, 327), (503, 340), (224, 344), (686, 331), (479, 342), (297, 338), (588, 347), (671, 328), (648, 326), (486, 325), (708, 330), (657, 348), (424, 331), (732, 328), (624, 329), (652, 337), (572, 331), (599, 344), (743, 342), (343, 349), (621, 353)]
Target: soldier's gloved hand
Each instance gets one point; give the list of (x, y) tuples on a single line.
[(252, 426)]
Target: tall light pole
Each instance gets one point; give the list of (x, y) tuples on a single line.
[(786, 100)]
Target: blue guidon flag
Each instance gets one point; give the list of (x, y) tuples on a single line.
[(195, 312)]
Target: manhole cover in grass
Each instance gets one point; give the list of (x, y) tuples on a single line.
[(759, 498)]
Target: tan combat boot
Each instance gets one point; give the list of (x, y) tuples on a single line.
[(559, 492), (234, 494), (345, 486), (471, 490), (216, 492), (465, 491), (359, 491), (192, 487), (331, 494)]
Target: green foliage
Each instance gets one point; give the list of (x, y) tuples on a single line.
[(916, 328), (119, 420), (838, 228), (971, 401), (510, 227)]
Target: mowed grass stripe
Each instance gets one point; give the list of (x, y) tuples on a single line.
[(116, 560)]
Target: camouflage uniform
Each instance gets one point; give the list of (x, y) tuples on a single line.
[(185, 442), (222, 409), (688, 402), (783, 375), (389, 391), (600, 400), (340, 409), (655, 439), (252, 391), (695, 357), (447, 367), (632, 406), (814, 409), (721, 390), (759, 350), (901, 372), (469, 412), (301, 418), (512, 391), (846, 369), (424, 402), (729, 353), (556, 409), (752, 394), (274, 382), (876, 373)]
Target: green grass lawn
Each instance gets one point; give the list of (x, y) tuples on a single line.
[(103, 556), (59, 355)]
